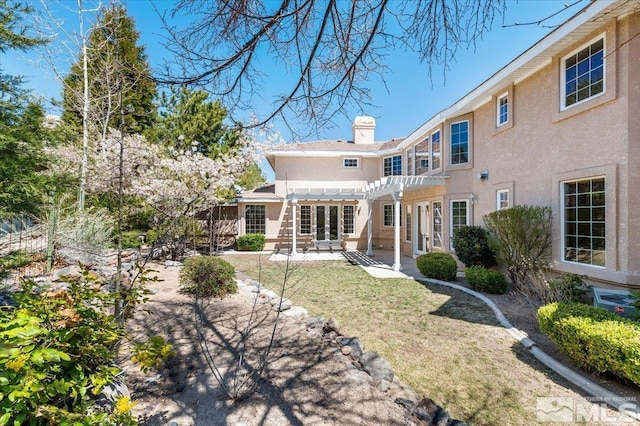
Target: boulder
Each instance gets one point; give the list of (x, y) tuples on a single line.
[(314, 322), (376, 366), (331, 325), (70, 272), (356, 348)]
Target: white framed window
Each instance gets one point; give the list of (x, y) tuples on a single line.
[(388, 211), (407, 227), (350, 163), (255, 219), (422, 157), (459, 217), (583, 221), (436, 225), (502, 109), (305, 220), (582, 73), (502, 199), (435, 150), (460, 142), (409, 157), (392, 166), (348, 219)]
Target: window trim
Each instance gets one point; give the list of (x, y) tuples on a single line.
[(344, 163), (408, 231), (433, 223), (498, 193), (393, 207), (563, 74), (392, 164), (353, 219), (563, 223), (431, 152), (465, 163), (264, 224), (467, 217), (310, 220), (505, 95)]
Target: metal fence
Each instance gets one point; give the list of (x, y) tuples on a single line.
[(24, 234)]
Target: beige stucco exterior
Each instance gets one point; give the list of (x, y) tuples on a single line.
[(540, 146)]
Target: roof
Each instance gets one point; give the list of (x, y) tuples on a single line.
[(264, 194), (336, 146)]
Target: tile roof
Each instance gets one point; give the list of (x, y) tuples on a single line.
[(337, 146)]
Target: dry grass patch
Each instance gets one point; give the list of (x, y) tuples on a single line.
[(443, 343)]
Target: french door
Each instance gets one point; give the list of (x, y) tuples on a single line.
[(421, 226), (327, 223)]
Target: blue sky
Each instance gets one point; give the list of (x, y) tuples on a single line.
[(409, 99)]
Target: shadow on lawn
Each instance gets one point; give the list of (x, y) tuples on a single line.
[(304, 382), (462, 306)]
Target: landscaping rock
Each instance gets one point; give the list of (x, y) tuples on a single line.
[(314, 322), (377, 366), (433, 414), (296, 312), (346, 350), (331, 325), (70, 272), (172, 263), (354, 343), (281, 304)]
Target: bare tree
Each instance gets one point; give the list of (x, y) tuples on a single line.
[(329, 50)]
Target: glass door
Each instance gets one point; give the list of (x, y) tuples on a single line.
[(421, 239), (327, 223)]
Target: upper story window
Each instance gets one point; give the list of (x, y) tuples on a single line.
[(392, 166), (583, 74), (350, 163), (409, 154), (435, 150), (460, 142), (502, 106), (422, 157), (502, 199)]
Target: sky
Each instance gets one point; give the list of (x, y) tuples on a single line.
[(410, 96)]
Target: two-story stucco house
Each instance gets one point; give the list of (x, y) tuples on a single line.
[(558, 126)]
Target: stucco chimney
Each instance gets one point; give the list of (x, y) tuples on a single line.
[(364, 129)]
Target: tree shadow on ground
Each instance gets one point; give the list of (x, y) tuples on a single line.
[(306, 380), (461, 306)]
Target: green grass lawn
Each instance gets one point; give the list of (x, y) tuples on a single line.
[(445, 344)]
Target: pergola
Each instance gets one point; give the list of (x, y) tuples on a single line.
[(390, 185)]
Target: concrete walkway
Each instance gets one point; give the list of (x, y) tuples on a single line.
[(379, 266)]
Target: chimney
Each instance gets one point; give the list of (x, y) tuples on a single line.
[(363, 130)]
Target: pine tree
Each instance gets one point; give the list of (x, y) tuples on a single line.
[(119, 77)]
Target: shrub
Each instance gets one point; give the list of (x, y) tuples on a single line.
[(594, 338), (441, 266), (472, 246), (206, 276), (569, 288), (486, 280), (130, 239), (521, 237), (251, 242)]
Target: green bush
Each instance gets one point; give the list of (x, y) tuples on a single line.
[(486, 280), (594, 338), (206, 276), (441, 266), (569, 288), (130, 239), (472, 246), (250, 242)]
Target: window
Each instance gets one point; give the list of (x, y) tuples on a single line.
[(460, 142), (437, 224), (459, 216), (583, 222), (254, 219), (350, 163), (583, 74), (305, 220), (409, 154), (388, 215), (422, 157), (348, 219), (407, 226), (392, 166), (503, 109), (435, 150), (502, 199)]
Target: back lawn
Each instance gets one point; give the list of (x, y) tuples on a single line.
[(443, 343)]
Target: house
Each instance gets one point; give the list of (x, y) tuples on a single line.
[(558, 126)]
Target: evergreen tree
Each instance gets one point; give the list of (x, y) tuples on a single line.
[(189, 120), (119, 77)]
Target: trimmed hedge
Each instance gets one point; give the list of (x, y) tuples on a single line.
[(594, 338), (485, 280), (206, 276), (250, 242), (472, 247), (441, 266)]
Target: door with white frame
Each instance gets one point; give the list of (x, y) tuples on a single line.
[(327, 224), (421, 228)]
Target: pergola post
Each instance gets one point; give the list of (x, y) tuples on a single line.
[(397, 197), (369, 230), (294, 205)]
